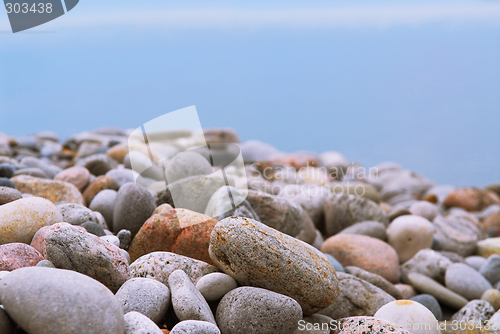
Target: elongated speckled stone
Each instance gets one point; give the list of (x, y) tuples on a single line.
[(257, 255)]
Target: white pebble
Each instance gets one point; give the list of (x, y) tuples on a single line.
[(215, 285)]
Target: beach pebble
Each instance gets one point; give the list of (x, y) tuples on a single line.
[(94, 228), (369, 228), (121, 176), (21, 219), (457, 233), (104, 202), (97, 185), (18, 255), (78, 176), (357, 298), (429, 286), (8, 195), (409, 234), (179, 231), (471, 199), (477, 312), (407, 291), (6, 170), (98, 164), (50, 170), (214, 286), (68, 247), (344, 210), (195, 327), (466, 281), (410, 315), (54, 191), (118, 152), (427, 262), (159, 265), (475, 261), (367, 325), (311, 198), (76, 214), (374, 279), (187, 301), (365, 252), (37, 301), (4, 182), (125, 237), (255, 150), (424, 209), (491, 269), (137, 323), (35, 172), (146, 296), (45, 263), (431, 303), (333, 261), (221, 206), (257, 255), (186, 164), (133, 207), (492, 296), (488, 247), (250, 310), (277, 212), (112, 239)]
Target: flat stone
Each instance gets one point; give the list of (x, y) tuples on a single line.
[(257, 255), (368, 253), (68, 247), (427, 262), (137, 323), (277, 212), (78, 176), (96, 186), (369, 228), (367, 325), (476, 312), (54, 191), (444, 295), (187, 301), (409, 315), (458, 234), (98, 164), (249, 310), (466, 281), (8, 195), (409, 234), (214, 286), (104, 202), (146, 296), (195, 327), (21, 219), (344, 210), (178, 231), (31, 171), (133, 207), (18, 255), (357, 298), (37, 301), (159, 266), (375, 279), (431, 303)]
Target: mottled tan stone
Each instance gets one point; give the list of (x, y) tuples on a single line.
[(54, 191)]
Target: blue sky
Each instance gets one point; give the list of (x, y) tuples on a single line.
[(415, 82)]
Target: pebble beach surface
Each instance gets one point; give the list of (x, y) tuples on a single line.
[(316, 245)]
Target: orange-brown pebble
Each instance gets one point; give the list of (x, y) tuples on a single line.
[(165, 331), (78, 176), (118, 152), (179, 231), (471, 199), (368, 253), (100, 183)]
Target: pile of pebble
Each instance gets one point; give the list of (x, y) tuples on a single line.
[(318, 245)]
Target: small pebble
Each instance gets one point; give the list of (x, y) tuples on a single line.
[(8, 195), (475, 261), (125, 237), (195, 327), (491, 269), (214, 286), (409, 315), (112, 239), (431, 303), (93, 228), (336, 264), (492, 296), (137, 323)]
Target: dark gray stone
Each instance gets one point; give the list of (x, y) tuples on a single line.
[(431, 303), (133, 207)]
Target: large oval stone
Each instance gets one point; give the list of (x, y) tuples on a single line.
[(21, 219), (54, 191), (179, 231), (257, 255), (368, 253), (48, 300), (133, 206)]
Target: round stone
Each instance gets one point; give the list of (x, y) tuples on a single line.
[(146, 296), (21, 219), (76, 214), (466, 281), (78, 176), (4, 182), (137, 323), (98, 164), (195, 327), (431, 303), (133, 207), (214, 286), (54, 191), (104, 202), (112, 239), (249, 310), (45, 263), (6, 170), (410, 315), (492, 296), (409, 234), (368, 253), (99, 184), (93, 228), (491, 269), (8, 195), (424, 209), (475, 261), (407, 291), (121, 176), (18, 255), (37, 301), (186, 164), (257, 255)]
